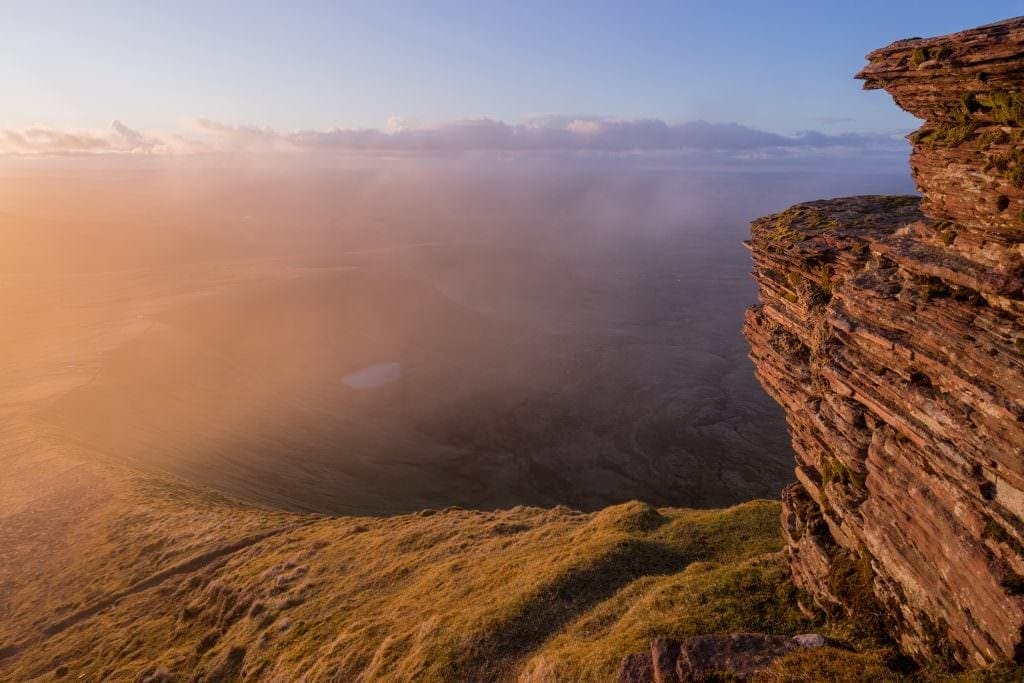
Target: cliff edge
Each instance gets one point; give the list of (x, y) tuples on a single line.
[(890, 330)]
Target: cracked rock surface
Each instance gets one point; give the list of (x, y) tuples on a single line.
[(890, 329)]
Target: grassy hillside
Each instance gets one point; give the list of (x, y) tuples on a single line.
[(438, 595), (164, 582)]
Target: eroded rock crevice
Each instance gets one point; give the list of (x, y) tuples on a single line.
[(890, 329)]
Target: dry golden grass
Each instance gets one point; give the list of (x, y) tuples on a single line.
[(707, 597), (440, 595), (177, 583), (829, 664)]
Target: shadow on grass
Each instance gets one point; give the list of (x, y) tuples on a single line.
[(501, 645)]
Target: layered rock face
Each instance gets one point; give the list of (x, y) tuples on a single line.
[(891, 331), (968, 157)]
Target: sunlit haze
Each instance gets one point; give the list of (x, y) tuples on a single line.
[(533, 342)]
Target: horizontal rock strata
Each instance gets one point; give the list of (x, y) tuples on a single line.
[(969, 88), (899, 360), (891, 332)]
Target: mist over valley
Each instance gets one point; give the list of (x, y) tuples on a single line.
[(387, 340)]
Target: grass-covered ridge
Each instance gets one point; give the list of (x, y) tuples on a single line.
[(211, 589), (552, 594)]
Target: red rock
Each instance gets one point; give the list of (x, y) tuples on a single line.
[(809, 641), (966, 86), (664, 654), (893, 337), (740, 654), (636, 668), (899, 362)]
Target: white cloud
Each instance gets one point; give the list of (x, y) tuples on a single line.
[(396, 124), (400, 136), (585, 127)]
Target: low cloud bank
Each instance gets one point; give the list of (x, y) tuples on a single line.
[(538, 136)]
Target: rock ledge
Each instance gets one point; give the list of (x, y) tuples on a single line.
[(891, 332)]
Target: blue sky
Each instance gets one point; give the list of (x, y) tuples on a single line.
[(778, 66)]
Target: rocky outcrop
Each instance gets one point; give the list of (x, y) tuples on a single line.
[(891, 332), (967, 157)]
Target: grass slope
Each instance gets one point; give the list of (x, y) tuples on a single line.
[(211, 590), (438, 595)]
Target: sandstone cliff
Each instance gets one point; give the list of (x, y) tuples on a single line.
[(891, 331)]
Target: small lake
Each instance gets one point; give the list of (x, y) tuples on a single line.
[(372, 376)]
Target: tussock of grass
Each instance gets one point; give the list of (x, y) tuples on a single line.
[(1005, 107), (828, 664), (795, 223)]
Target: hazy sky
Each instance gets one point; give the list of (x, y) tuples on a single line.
[(778, 66)]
